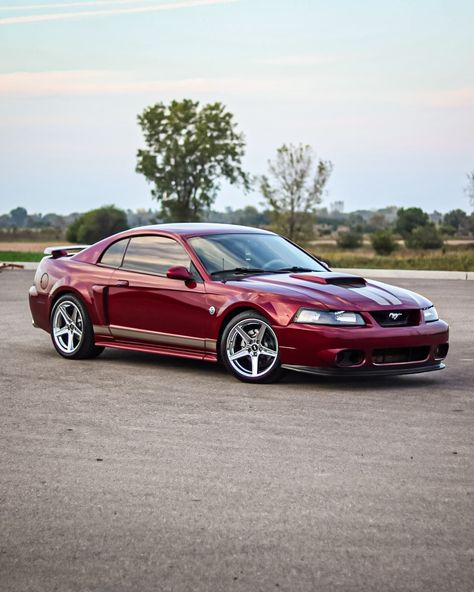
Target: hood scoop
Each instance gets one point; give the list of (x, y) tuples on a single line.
[(344, 280)]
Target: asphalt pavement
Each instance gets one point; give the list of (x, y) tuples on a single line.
[(135, 472)]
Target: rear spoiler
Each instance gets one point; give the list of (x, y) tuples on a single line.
[(64, 251)]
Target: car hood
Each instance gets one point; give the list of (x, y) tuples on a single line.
[(335, 291)]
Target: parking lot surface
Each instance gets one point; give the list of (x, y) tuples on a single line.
[(135, 472)]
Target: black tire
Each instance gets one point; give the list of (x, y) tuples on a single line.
[(256, 358), (72, 333)]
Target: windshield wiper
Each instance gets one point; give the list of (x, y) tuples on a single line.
[(291, 269), (239, 271)]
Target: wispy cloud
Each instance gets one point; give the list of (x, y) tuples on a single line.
[(301, 60), (65, 5), (455, 98), (55, 16), (103, 82), (85, 82)]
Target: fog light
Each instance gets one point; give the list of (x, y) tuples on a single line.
[(441, 351), (349, 357)]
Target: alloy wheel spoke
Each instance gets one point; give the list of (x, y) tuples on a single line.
[(268, 352), (60, 331), (261, 333), (254, 365), (240, 354), (77, 331), (62, 316), (245, 337), (65, 315), (70, 341)]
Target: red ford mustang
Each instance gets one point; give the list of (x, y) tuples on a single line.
[(247, 297)]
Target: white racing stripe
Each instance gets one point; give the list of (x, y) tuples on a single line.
[(376, 295), (384, 294)]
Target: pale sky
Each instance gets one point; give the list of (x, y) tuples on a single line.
[(385, 90)]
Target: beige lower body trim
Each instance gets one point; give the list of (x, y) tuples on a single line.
[(166, 339), (101, 330)]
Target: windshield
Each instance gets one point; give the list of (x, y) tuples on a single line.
[(251, 253)]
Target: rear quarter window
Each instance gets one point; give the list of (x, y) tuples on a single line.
[(113, 255)]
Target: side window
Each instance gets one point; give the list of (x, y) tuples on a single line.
[(154, 254), (113, 255)]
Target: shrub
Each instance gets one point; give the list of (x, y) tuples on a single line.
[(425, 237), (447, 230), (96, 225), (383, 242), (408, 219), (349, 240)]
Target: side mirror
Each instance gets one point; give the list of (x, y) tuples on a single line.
[(179, 272)]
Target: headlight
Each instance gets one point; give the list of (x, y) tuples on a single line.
[(311, 316), (430, 314)]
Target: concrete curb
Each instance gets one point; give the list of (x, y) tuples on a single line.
[(370, 273), (409, 273)]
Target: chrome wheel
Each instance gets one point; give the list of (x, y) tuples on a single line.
[(68, 327), (252, 348)]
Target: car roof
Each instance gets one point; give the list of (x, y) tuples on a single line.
[(184, 229), (188, 229)]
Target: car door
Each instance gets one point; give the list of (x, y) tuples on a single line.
[(146, 306)]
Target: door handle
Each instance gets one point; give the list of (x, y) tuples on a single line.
[(122, 283)]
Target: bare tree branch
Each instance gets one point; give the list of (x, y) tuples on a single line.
[(293, 191)]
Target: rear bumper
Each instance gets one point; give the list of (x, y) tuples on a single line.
[(365, 372), (39, 307)]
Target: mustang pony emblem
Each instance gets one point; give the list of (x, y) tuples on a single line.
[(394, 315)]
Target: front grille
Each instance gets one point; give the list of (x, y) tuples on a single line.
[(396, 318), (400, 355)]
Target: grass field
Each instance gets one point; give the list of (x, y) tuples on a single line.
[(451, 260), (12, 256)]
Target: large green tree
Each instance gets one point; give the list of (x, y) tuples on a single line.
[(456, 218), (408, 219), (19, 217), (294, 188), (96, 225), (189, 149)]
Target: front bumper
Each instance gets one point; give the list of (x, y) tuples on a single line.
[(318, 349)]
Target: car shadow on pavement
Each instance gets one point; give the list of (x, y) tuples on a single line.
[(206, 370), (289, 378), (165, 362), (413, 381)]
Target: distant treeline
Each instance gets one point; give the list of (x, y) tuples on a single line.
[(327, 221), (19, 220)]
